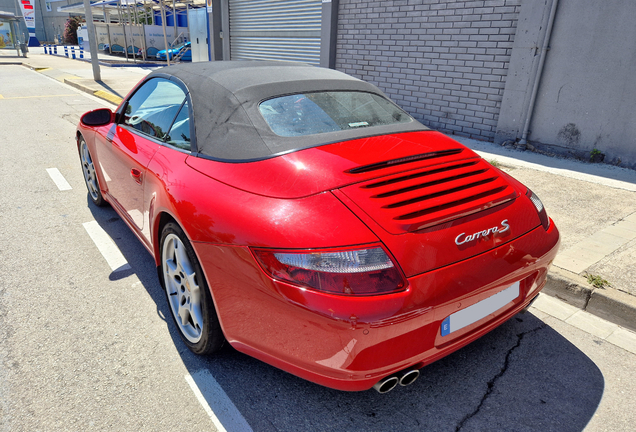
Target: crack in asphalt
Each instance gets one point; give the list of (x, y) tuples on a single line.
[(493, 381)]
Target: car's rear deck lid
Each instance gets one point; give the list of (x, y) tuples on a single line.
[(433, 191)]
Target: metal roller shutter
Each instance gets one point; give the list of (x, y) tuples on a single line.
[(275, 30)]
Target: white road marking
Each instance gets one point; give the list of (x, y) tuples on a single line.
[(106, 246), (58, 179), (225, 416)]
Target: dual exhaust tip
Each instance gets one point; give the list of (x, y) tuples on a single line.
[(404, 378)]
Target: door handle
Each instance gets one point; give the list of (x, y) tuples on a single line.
[(136, 175)]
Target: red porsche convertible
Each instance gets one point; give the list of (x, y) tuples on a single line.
[(300, 215)]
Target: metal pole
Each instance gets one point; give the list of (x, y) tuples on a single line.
[(123, 27), (92, 40), (21, 45), (132, 31), (142, 29), (165, 38), (107, 21), (137, 24), (14, 34), (174, 18), (537, 79)]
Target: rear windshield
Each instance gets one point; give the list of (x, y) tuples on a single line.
[(321, 112)]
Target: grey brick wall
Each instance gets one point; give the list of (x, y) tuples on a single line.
[(443, 61)]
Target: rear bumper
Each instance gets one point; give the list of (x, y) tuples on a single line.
[(351, 343)]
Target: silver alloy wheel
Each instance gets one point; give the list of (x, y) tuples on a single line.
[(89, 172), (182, 287)]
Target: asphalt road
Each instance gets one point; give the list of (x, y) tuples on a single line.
[(87, 347)]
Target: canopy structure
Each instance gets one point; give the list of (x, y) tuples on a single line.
[(118, 9), (138, 27)]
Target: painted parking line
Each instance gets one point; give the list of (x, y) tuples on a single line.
[(37, 96), (58, 179), (106, 246), (222, 412)]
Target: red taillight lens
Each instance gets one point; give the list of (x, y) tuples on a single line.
[(543, 216), (348, 272)]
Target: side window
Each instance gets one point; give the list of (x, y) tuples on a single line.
[(179, 135), (152, 109)]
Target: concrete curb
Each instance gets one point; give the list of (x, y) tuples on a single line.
[(121, 64), (102, 94), (607, 303)]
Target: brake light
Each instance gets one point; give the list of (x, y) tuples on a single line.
[(543, 216), (348, 272)]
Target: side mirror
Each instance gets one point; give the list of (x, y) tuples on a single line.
[(98, 117)]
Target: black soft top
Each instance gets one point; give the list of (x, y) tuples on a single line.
[(225, 98)]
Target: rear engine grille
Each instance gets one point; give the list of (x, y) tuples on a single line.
[(425, 197), (404, 160)]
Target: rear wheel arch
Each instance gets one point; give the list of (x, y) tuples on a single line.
[(161, 220), (191, 303)]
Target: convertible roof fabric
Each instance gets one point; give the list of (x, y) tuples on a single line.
[(225, 98)]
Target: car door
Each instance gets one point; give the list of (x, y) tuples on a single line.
[(142, 127)]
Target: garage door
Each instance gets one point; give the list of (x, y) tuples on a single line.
[(275, 30)]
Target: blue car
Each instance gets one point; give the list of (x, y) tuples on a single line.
[(187, 54)]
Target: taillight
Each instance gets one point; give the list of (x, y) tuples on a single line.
[(543, 216), (348, 272)]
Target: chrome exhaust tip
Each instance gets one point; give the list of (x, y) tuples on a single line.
[(387, 384), (408, 377)]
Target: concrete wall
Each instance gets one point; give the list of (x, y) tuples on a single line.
[(588, 86), (53, 22), (443, 61)]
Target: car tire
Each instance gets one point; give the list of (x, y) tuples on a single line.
[(90, 175), (187, 292)]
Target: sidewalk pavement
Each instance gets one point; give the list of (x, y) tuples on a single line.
[(593, 205), (115, 84)]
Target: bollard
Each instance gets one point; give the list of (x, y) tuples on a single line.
[(81, 52), (55, 49), (73, 53), (66, 50)]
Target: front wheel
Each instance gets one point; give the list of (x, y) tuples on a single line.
[(188, 294), (90, 175)]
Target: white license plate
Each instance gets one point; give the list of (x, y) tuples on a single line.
[(474, 313)]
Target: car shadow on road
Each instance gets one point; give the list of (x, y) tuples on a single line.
[(141, 262), (522, 376)]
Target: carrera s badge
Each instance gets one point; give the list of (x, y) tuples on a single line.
[(463, 238)]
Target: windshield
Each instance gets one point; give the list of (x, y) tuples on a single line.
[(321, 112)]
